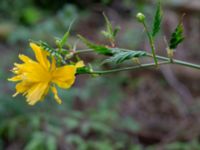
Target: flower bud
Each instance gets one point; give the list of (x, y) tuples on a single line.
[(57, 42), (140, 17)]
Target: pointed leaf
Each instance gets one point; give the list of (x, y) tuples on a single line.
[(157, 20), (101, 49), (65, 37), (109, 27), (177, 36)]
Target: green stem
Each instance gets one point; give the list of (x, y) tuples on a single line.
[(142, 66), (178, 62), (83, 51), (151, 41), (175, 61)]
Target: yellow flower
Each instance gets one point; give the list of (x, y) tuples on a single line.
[(37, 77)]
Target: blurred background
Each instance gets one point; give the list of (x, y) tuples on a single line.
[(143, 110)]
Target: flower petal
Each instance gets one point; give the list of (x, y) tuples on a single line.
[(15, 78), (56, 97), (23, 87), (64, 76), (40, 55), (36, 92), (65, 84), (25, 58)]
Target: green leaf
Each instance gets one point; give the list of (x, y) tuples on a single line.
[(101, 49), (109, 27), (110, 31), (71, 123), (116, 30), (123, 56), (51, 142), (177, 36), (157, 20), (65, 37), (36, 142)]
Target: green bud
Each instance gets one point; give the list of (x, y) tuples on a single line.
[(140, 17), (57, 41)]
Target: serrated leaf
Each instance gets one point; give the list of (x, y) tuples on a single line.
[(177, 36), (157, 20), (101, 49), (123, 56)]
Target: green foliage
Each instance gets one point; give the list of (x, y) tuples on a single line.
[(41, 141), (117, 55), (50, 25), (157, 20), (177, 36), (124, 55), (61, 42), (110, 32), (100, 49), (53, 52), (31, 15)]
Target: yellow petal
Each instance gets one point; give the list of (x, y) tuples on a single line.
[(56, 97), (64, 76), (40, 55), (36, 92), (25, 58), (65, 84), (79, 64), (23, 87), (15, 78)]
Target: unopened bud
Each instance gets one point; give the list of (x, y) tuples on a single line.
[(57, 42), (140, 17)]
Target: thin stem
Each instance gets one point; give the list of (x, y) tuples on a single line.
[(83, 51), (175, 61), (151, 41), (178, 62), (142, 66)]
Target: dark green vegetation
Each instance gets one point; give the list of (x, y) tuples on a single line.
[(141, 110)]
